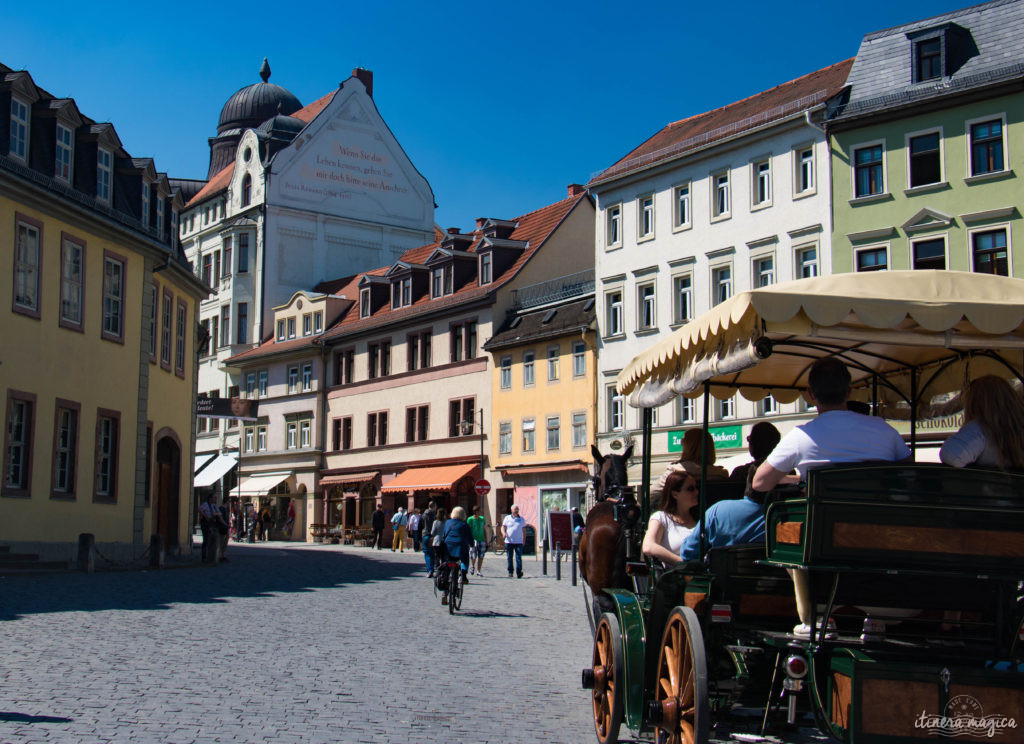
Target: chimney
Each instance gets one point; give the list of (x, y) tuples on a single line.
[(453, 231), (480, 222), (366, 78), (575, 189)]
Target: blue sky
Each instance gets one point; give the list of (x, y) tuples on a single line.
[(499, 105)]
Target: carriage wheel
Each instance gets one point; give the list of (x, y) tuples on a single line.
[(608, 673), (681, 696)]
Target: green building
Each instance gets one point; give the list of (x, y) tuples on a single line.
[(927, 146)]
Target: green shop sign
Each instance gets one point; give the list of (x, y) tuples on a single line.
[(725, 437)]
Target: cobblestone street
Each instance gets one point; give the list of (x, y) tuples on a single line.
[(293, 644)]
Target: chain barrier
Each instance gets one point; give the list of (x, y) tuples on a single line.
[(120, 564)]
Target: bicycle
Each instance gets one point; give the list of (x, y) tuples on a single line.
[(449, 581), (497, 543)]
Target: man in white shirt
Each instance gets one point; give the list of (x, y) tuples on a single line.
[(512, 530)]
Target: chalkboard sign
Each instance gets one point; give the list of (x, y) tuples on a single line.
[(560, 530)]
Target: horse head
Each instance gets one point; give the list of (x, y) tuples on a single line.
[(610, 477)]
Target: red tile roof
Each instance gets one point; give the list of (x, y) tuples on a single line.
[(761, 108), (310, 112), (216, 184)]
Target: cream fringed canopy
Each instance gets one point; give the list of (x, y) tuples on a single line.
[(929, 331)]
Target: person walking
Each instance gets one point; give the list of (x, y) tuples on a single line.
[(209, 518), (223, 530), (398, 523), (426, 526), (476, 555), (512, 528), (413, 528), (377, 522)]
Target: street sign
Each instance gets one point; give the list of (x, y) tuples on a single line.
[(482, 488)]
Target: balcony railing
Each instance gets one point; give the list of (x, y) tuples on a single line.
[(554, 290)]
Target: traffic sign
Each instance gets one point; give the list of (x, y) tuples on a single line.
[(482, 487)]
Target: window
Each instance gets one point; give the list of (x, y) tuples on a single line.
[(249, 437), (721, 284), (207, 271), (307, 377), (65, 153), (682, 298), (989, 252), (764, 271), (104, 167), (65, 449), (725, 409), (293, 379), (645, 307), (437, 283), (868, 171), (225, 325), (804, 176), (242, 332), (214, 332), (418, 350), (929, 254), (645, 217), (305, 433), (243, 253), (686, 411), (19, 129), (613, 225), (261, 437), (505, 438), (461, 411), (26, 267), (579, 358), (342, 433), (720, 202), (364, 303), (379, 363), (108, 424), (529, 435), (377, 429), (806, 262), (505, 374), (927, 59), (872, 259), (485, 268), (344, 366), (225, 258), (416, 423), (113, 298), (616, 410), (318, 321), (553, 432), (401, 292), (281, 330), (613, 313), (250, 385), (18, 446), (160, 215), (553, 363), (767, 406), (463, 341), (246, 190), (262, 376), (145, 203), (528, 377), (154, 309), (925, 159), (681, 199), (307, 324), (179, 338), (72, 285), (986, 147), (291, 440), (761, 188), (579, 430), (291, 327)]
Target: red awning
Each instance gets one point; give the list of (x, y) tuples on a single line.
[(440, 478), (340, 480)]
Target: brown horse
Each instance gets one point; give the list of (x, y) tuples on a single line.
[(610, 525)]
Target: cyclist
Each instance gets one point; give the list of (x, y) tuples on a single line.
[(457, 539), (476, 526)]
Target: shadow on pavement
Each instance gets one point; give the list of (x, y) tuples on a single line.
[(252, 571), (6, 717)]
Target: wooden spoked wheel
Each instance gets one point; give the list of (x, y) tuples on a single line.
[(608, 682), (682, 683)]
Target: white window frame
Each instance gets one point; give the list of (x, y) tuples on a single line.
[(613, 313), (505, 373), (318, 322), (721, 195), (686, 410), (646, 306), (505, 438), (529, 426), (552, 433), (682, 298), (682, 201), (364, 302), (485, 267), (554, 358), (874, 247), (27, 273), (802, 166), (291, 437), (616, 410), (944, 237), (529, 368), (645, 217), (717, 282), (65, 145), (767, 406), (307, 377), (146, 191), (579, 429), (853, 170), (799, 263), (758, 272), (20, 130), (757, 177), (971, 175), (307, 324), (725, 410), (613, 226), (305, 433), (293, 379), (280, 330), (579, 358), (104, 174), (262, 385), (942, 157), (291, 327)]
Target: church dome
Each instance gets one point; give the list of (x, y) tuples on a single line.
[(254, 104)]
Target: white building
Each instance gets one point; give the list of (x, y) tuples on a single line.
[(717, 203), (295, 195)]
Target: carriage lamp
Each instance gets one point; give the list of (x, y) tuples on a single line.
[(796, 667)]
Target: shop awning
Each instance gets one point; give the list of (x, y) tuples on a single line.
[(260, 485), (201, 459), (440, 478), (214, 471), (341, 480)]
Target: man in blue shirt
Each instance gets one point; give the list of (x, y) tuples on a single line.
[(729, 522)]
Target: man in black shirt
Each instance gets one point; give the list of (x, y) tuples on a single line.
[(378, 528)]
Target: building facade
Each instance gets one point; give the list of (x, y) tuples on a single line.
[(728, 200), (97, 276)]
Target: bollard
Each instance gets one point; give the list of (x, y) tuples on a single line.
[(574, 565), (558, 562), (86, 557), (156, 551), (544, 552)]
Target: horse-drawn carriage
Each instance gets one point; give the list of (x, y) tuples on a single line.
[(910, 573)]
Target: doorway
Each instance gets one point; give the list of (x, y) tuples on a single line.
[(168, 497)]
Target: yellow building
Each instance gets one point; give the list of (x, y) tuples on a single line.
[(98, 360), (543, 398)]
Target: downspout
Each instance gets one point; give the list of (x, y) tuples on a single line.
[(321, 395)]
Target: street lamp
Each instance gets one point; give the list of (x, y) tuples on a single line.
[(466, 426)]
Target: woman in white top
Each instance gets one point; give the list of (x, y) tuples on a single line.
[(993, 429), (674, 519)]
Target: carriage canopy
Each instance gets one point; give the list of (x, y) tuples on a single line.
[(905, 335)]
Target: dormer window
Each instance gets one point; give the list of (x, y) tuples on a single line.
[(104, 168), (401, 292), (318, 321), (485, 268), (364, 303), (19, 129), (160, 216), (280, 330), (65, 153), (927, 59), (291, 327), (145, 204), (442, 281)]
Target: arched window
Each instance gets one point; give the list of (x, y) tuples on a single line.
[(246, 190)]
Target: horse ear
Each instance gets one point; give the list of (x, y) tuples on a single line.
[(596, 453), (628, 453)]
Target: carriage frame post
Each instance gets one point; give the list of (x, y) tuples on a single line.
[(645, 467)]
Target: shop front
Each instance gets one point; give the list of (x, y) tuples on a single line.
[(540, 489), (447, 485), (350, 498), (268, 494)]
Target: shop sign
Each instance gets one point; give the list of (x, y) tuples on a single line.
[(725, 437)]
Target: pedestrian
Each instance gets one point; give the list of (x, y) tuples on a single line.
[(398, 523), (512, 528), (413, 528), (377, 522), (223, 528), (476, 555), (426, 524), (268, 522), (457, 539), (209, 516), (437, 539), (290, 522), (577, 525)]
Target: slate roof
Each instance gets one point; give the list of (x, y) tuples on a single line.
[(882, 74), (704, 129), (566, 318)]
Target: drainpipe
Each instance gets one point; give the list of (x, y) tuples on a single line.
[(321, 396)]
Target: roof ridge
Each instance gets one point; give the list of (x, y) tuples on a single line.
[(937, 18)]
